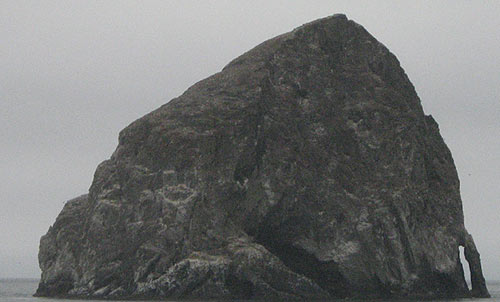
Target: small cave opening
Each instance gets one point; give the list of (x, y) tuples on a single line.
[(465, 267)]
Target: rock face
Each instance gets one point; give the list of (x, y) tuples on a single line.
[(305, 169)]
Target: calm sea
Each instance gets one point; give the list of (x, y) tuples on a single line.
[(21, 290)]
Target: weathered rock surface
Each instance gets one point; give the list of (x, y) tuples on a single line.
[(305, 169)]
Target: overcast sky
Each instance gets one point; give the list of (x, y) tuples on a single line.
[(74, 73)]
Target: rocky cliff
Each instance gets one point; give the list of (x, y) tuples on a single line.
[(305, 169)]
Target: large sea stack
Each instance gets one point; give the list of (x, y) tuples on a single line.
[(305, 169)]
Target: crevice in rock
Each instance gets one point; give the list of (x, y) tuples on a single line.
[(404, 233), (247, 164), (239, 287), (465, 268), (325, 274)]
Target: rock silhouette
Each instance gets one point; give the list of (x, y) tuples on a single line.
[(305, 169)]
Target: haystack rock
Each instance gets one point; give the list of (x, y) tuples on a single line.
[(305, 169)]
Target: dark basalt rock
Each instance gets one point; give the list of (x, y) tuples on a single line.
[(305, 169)]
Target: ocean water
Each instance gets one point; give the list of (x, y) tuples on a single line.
[(21, 290)]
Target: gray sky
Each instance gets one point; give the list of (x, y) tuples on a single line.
[(74, 73)]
